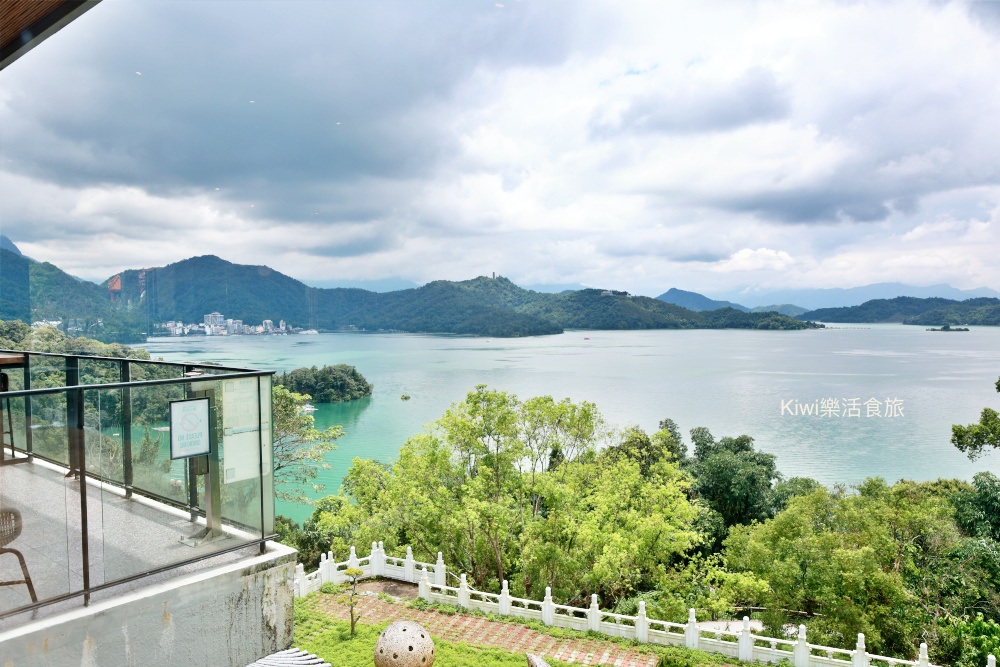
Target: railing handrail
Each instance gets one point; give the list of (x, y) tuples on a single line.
[(158, 362), (134, 384)]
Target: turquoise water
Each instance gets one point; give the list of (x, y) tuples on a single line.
[(731, 381)]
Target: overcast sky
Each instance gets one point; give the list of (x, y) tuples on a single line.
[(631, 145)]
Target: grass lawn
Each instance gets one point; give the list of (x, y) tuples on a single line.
[(330, 639)]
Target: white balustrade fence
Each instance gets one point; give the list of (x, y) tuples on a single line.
[(742, 645)]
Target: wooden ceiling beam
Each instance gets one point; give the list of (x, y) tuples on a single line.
[(24, 24)]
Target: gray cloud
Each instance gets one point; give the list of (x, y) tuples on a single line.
[(624, 145), (754, 97)]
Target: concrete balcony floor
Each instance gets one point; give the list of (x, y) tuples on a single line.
[(127, 537)]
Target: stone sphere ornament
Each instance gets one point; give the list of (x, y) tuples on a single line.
[(404, 644)]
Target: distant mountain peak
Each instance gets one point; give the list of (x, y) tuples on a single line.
[(697, 302), (7, 244)]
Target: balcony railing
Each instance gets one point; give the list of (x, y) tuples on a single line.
[(118, 469)]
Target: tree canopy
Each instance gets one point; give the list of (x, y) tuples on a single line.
[(329, 384), (974, 439)]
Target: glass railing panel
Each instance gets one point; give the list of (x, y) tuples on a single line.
[(161, 523), (239, 408), (99, 371), (12, 412), (267, 454), (154, 473), (49, 437), (46, 503)]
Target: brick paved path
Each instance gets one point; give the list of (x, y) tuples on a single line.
[(482, 632)]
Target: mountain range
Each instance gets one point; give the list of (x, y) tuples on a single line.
[(189, 289), (911, 310), (840, 297)]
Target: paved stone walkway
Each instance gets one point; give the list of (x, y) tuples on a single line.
[(482, 632)]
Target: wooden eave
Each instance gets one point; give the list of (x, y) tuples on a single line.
[(24, 24)]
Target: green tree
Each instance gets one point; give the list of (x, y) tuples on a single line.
[(350, 598), (975, 438), (298, 448), (736, 480), (329, 384), (886, 561)]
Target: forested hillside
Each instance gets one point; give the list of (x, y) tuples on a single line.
[(482, 306), (32, 291), (912, 310), (189, 289)]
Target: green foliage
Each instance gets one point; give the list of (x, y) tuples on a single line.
[(912, 310), (968, 643), (886, 561), (511, 489), (977, 509), (736, 480), (330, 384), (298, 449), (975, 438)]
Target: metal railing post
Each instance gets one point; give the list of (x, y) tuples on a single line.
[(27, 407), (127, 472), (72, 414)]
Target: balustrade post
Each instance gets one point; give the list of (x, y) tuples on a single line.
[(352, 560), (322, 569), (373, 560), (331, 568), (409, 565), (439, 571), (300, 580), (504, 609), (745, 641), (463, 593), (381, 558), (548, 608), (594, 615), (923, 660), (801, 648), (991, 660), (859, 657), (642, 624), (691, 631), (424, 587)]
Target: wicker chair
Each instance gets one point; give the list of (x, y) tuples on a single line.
[(10, 528)]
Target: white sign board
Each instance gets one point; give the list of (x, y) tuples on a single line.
[(240, 429), (189, 428)]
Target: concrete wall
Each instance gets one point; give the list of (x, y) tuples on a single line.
[(227, 616)]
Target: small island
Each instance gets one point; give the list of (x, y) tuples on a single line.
[(948, 327), (330, 384)]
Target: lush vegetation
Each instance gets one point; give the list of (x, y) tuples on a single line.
[(330, 384), (298, 448), (912, 310), (540, 493), (974, 439)]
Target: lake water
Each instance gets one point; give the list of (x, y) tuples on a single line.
[(731, 381)]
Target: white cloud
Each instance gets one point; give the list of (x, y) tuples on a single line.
[(637, 145)]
